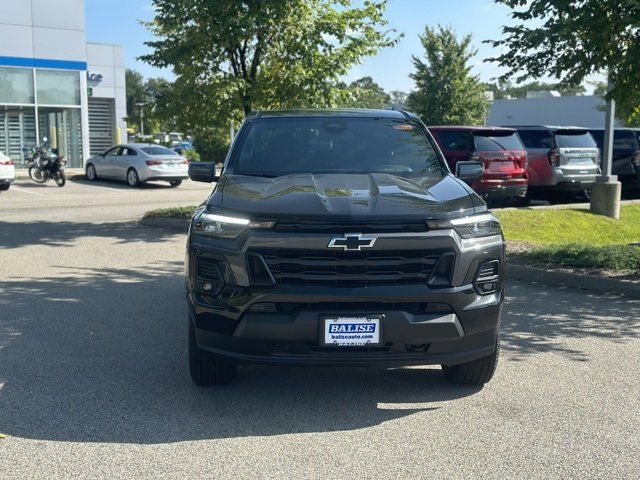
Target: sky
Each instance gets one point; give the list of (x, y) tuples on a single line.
[(118, 21)]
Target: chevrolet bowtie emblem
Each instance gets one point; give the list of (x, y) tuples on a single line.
[(352, 242)]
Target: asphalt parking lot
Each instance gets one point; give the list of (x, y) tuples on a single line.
[(82, 200), (94, 382)]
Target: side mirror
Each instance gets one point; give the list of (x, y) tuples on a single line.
[(203, 172), (469, 172)]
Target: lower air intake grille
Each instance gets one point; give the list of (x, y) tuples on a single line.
[(209, 269)]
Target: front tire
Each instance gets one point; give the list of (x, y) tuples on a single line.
[(207, 369), (474, 373), (132, 178), (4, 187), (61, 181), (92, 175), (175, 183), (37, 175)]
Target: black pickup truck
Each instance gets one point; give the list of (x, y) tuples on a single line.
[(340, 237)]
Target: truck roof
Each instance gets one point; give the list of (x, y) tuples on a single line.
[(330, 112)]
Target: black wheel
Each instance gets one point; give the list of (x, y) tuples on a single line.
[(205, 368), (38, 175), (476, 372), (4, 187), (61, 181), (175, 183), (92, 175), (132, 178)]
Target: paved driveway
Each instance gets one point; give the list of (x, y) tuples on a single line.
[(94, 382)]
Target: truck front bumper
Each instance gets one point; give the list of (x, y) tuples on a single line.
[(283, 323)]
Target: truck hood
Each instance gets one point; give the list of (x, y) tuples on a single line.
[(376, 196)]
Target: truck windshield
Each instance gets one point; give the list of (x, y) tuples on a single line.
[(282, 146)]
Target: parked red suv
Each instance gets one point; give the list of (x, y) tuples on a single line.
[(501, 151)]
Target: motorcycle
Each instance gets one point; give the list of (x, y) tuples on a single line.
[(46, 165)]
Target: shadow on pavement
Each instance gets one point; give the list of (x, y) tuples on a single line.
[(63, 234), (536, 322)]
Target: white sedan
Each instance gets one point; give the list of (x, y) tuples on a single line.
[(7, 172), (137, 163)]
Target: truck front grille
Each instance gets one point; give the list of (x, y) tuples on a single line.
[(337, 227), (355, 269)]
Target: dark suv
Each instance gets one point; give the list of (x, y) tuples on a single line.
[(626, 153), (340, 237)]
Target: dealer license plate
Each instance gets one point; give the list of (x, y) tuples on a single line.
[(351, 331)]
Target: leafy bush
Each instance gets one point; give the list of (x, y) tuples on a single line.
[(174, 212), (191, 155)]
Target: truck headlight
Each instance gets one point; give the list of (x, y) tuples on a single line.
[(224, 226), (476, 232), (475, 226)]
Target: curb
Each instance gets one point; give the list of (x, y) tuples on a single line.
[(514, 271), (171, 223), (572, 280)]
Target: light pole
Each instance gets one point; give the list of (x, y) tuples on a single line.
[(607, 190), (141, 105)]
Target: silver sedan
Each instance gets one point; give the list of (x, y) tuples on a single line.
[(136, 163)]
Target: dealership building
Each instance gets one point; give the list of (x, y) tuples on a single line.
[(54, 84)]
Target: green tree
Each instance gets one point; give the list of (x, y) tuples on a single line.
[(627, 111), (573, 39), (195, 111), (250, 54), (154, 93), (159, 112), (398, 97), (365, 93), (446, 91), (135, 95)]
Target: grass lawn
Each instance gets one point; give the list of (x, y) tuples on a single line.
[(547, 227), (576, 238)]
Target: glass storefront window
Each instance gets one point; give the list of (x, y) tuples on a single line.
[(57, 116), (63, 129), (58, 88), (16, 85), (17, 133)]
